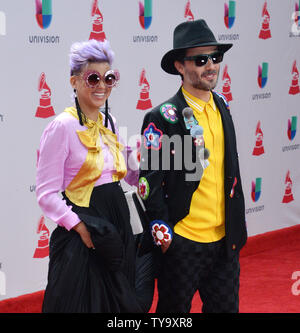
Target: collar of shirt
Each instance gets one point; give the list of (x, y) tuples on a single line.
[(198, 104)]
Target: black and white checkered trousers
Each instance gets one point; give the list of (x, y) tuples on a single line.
[(188, 267)]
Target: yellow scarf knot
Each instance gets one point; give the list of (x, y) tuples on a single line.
[(80, 188)]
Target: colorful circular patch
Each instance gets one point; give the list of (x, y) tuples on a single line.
[(168, 111), (144, 188), (199, 140), (161, 232)]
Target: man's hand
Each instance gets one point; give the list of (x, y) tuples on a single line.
[(165, 246)]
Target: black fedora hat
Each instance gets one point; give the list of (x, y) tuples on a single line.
[(188, 35)]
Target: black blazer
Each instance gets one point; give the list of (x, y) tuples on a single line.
[(169, 193)]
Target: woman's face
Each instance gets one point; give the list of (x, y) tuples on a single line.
[(91, 97)]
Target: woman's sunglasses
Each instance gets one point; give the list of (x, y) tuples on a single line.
[(202, 59), (93, 78)]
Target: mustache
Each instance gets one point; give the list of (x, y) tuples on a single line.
[(209, 72)]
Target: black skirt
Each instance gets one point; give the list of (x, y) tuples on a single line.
[(113, 278)]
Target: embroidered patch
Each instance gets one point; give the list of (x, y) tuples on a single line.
[(152, 137), (199, 140), (144, 188), (161, 232), (168, 111)]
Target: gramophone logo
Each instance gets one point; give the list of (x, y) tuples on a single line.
[(97, 30), (259, 147), (229, 14), (145, 13), (42, 249), (294, 88), (45, 109), (226, 89), (188, 12), (292, 128), (262, 74), (144, 101), (256, 189), (43, 13), (288, 194), (265, 31)]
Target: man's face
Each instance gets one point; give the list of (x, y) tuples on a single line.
[(204, 77)]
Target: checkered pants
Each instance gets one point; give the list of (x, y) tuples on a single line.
[(188, 266)]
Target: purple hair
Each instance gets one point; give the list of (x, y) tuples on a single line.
[(83, 53)]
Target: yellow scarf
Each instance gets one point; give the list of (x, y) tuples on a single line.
[(80, 188)]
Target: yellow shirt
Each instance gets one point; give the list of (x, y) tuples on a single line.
[(206, 221)]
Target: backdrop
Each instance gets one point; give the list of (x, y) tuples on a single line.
[(259, 76)]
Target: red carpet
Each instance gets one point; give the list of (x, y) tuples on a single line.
[(267, 264)]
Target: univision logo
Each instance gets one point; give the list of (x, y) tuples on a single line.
[(43, 13), (256, 190), (43, 17), (291, 133), (229, 18), (292, 128), (262, 74), (145, 18), (145, 15), (262, 79), (229, 14)]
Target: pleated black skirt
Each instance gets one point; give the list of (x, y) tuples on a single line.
[(113, 278)]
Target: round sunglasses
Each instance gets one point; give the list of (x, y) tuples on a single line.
[(202, 59), (110, 78)]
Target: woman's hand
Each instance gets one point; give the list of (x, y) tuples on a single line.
[(84, 234)]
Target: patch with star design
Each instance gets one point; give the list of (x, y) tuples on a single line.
[(152, 137)]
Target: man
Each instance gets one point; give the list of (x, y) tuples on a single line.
[(199, 223)]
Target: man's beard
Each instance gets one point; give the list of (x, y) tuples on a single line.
[(200, 84)]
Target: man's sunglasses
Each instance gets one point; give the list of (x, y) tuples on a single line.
[(93, 78), (202, 59)]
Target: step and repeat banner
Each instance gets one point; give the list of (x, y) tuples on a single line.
[(259, 77)]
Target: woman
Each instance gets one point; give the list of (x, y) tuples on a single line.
[(93, 263)]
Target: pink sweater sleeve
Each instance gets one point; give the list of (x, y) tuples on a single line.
[(50, 175)]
